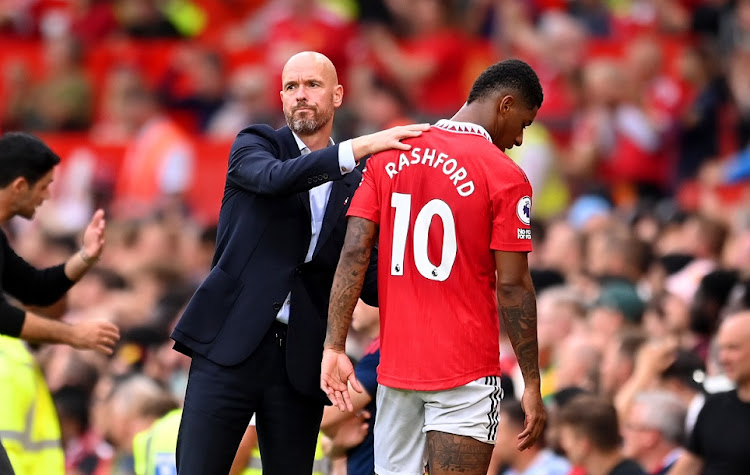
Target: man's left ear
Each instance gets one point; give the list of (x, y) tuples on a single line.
[(338, 95), (20, 184)]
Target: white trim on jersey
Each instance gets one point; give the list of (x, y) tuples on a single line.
[(463, 128)]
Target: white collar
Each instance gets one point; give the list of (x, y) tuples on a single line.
[(302, 145), (463, 127)]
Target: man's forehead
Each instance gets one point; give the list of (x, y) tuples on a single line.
[(308, 66)]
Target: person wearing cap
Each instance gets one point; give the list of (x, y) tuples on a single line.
[(617, 307)]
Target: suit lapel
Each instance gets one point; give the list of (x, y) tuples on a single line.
[(292, 150), (341, 195)]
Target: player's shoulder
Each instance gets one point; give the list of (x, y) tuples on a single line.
[(509, 168)]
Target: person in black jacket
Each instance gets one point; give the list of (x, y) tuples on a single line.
[(255, 326), (26, 171)]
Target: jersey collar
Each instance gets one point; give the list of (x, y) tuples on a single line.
[(463, 127)]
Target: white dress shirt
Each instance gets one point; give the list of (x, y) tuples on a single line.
[(318, 202)]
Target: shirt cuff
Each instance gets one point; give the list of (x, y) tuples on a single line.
[(346, 157)]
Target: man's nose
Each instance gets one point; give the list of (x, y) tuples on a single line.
[(301, 94)]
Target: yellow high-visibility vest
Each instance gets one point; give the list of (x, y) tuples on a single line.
[(154, 448), (29, 427), (320, 464)]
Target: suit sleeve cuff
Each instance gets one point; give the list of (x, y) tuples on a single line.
[(346, 157), (11, 320)]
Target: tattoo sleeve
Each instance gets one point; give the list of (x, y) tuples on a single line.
[(349, 278), (518, 309)]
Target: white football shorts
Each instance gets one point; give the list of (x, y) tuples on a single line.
[(404, 417)]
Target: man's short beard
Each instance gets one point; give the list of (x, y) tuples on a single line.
[(306, 125)]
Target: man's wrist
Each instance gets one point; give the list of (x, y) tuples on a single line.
[(88, 260)]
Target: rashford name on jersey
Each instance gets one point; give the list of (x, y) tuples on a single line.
[(432, 158)]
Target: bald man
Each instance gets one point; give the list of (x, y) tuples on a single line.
[(255, 327), (720, 439)]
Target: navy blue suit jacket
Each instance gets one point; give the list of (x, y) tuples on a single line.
[(263, 238)]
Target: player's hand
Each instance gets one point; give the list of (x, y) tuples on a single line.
[(93, 236), (336, 371), (387, 139), (99, 335), (536, 416)]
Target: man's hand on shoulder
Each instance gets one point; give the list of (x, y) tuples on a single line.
[(386, 140)]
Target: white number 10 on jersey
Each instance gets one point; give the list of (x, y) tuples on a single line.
[(402, 203)]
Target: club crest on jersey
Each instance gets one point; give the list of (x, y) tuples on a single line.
[(523, 210)]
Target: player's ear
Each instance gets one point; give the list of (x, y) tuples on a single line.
[(507, 103)]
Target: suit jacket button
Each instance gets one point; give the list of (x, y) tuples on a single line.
[(276, 306), (298, 270), (325, 176), (309, 180)]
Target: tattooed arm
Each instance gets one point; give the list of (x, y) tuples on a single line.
[(517, 302), (336, 369)]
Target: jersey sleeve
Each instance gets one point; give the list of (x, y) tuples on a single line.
[(366, 201), (511, 217)]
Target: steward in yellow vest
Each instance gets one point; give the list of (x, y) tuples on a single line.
[(29, 427)]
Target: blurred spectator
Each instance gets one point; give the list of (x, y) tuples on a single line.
[(557, 50), (28, 420), (426, 63), (61, 101), (247, 103), (701, 121), (734, 29), (538, 158), (72, 404), (684, 378), (577, 364), (143, 19), (561, 249), (158, 162), (618, 361), (737, 74), (508, 460), (590, 436), (203, 71), (133, 404), (380, 105), (653, 431), (718, 443), (618, 308), (614, 141), (592, 13), (92, 20), (276, 28), (560, 313)]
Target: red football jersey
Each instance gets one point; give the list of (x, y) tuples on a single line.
[(442, 208)]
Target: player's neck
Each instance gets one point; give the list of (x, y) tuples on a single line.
[(471, 113)]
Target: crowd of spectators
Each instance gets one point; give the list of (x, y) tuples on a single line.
[(639, 159)]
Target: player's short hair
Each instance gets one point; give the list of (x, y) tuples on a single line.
[(512, 75), (594, 418), (24, 155)]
